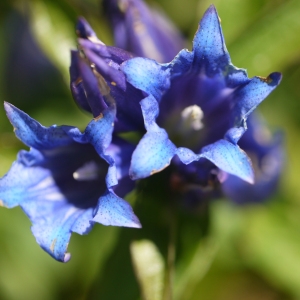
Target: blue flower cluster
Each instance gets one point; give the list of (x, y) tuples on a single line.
[(192, 109)]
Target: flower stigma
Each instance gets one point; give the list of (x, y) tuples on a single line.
[(192, 117), (186, 127), (89, 171)]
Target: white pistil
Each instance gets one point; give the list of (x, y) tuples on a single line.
[(88, 171), (192, 117)]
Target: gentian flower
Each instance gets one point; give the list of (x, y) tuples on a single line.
[(195, 108), (92, 59), (68, 180)]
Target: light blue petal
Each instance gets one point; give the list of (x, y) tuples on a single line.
[(114, 211), (147, 75), (181, 63), (229, 158), (234, 134), (53, 230), (43, 182), (249, 96), (150, 110), (121, 151), (111, 177), (154, 151), (53, 218), (99, 130), (209, 46), (153, 154), (32, 133), (235, 76), (16, 186), (186, 155)]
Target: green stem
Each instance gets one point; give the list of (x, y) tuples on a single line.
[(170, 270)]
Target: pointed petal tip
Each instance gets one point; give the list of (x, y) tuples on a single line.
[(2, 203), (67, 257), (248, 178), (8, 107), (275, 78), (81, 27), (134, 224), (114, 211), (251, 180), (211, 10), (229, 158)]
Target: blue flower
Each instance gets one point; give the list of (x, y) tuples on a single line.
[(194, 109), (95, 62), (68, 180), (142, 30)]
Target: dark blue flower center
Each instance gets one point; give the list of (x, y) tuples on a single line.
[(79, 173), (195, 110)]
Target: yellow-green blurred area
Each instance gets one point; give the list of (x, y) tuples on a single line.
[(251, 252)]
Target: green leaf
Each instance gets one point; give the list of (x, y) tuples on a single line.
[(196, 269), (149, 268), (270, 244), (271, 42), (55, 34)]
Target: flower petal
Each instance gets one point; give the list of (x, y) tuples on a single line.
[(53, 230), (99, 130), (112, 75), (147, 75), (267, 154), (60, 186), (91, 86), (99, 134), (229, 158), (108, 53), (153, 153), (186, 155), (32, 133), (84, 30), (31, 185), (181, 63), (138, 29), (104, 62), (268, 166), (76, 84), (209, 46), (19, 179), (150, 111), (249, 96), (112, 210)]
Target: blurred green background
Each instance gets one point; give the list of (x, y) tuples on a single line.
[(251, 252)]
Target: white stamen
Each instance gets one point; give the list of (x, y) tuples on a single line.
[(88, 171), (192, 117)]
